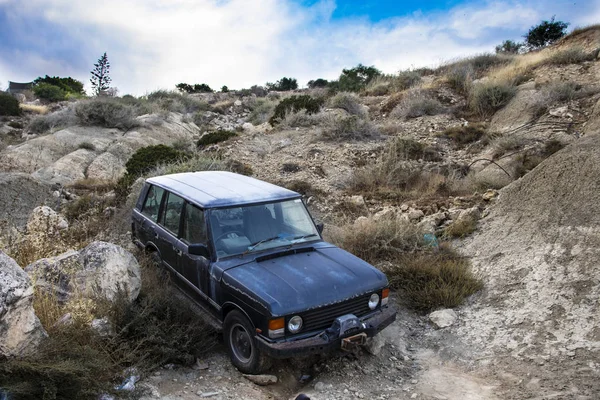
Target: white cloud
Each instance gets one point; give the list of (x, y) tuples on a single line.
[(157, 43)]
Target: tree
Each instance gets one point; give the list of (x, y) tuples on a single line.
[(355, 79), (509, 47), (196, 88), (224, 89), (545, 33), (100, 75), (317, 83), (68, 84), (284, 84)]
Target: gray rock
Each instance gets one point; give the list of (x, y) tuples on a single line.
[(20, 331), (106, 167), (19, 195), (101, 269), (415, 215), (375, 345), (443, 318), (44, 223), (102, 326), (67, 169), (262, 380)]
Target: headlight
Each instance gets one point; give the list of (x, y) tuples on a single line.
[(295, 324), (373, 301)]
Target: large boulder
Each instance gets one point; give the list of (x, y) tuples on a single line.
[(67, 169), (19, 195), (106, 167), (99, 270), (20, 328)]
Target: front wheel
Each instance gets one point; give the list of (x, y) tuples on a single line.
[(238, 335)]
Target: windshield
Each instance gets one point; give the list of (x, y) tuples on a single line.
[(239, 230)]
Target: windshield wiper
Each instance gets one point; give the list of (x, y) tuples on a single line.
[(254, 245), (304, 236)]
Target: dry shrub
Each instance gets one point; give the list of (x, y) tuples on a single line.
[(33, 108), (507, 144), (75, 362), (262, 110), (572, 55), (349, 102), (410, 149), (56, 120), (433, 278), (347, 128), (300, 119), (460, 228), (464, 134), (417, 103), (460, 77), (392, 102), (488, 97)]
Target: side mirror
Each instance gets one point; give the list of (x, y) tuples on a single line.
[(199, 250), (320, 227)]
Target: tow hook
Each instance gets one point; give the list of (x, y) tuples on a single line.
[(353, 342)]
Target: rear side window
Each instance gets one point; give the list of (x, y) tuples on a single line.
[(172, 213), (194, 226), (152, 203)]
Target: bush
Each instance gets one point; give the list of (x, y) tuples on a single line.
[(417, 104), (300, 119), (172, 101), (349, 102), (196, 88), (283, 85), (215, 137), (69, 85), (486, 98), (355, 79), (406, 80), (509, 47), (460, 77), (262, 110), (348, 128), (56, 120), (409, 149), (317, 83), (573, 55), (149, 157), (545, 33), (295, 104), (49, 92), (464, 134), (460, 228), (106, 112), (9, 105)]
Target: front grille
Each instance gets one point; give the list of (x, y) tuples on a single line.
[(323, 317)]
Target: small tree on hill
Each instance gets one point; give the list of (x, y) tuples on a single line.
[(509, 47), (545, 33), (100, 76), (284, 84), (317, 83), (355, 79)]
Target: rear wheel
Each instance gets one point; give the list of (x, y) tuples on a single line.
[(238, 335)]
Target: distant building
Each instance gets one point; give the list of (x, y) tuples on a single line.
[(16, 87)]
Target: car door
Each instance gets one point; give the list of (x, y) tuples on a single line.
[(195, 269), (168, 229), (145, 221)]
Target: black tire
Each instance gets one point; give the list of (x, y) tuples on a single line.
[(238, 336)]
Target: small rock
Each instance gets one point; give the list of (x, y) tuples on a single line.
[(443, 318), (102, 326), (207, 394), (489, 195), (319, 386), (357, 200), (415, 215), (237, 103), (200, 365), (262, 380), (374, 345), (404, 207)]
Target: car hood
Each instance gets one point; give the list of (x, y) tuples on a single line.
[(304, 279)]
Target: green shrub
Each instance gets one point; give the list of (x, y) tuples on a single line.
[(509, 47), (355, 79), (406, 80), (69, 85), (349, 102), (294, 104), (284, 84), (9, 105), (215, 137), (49, 92), (106, 112), (464, 134), (146, 158), (486, 98)]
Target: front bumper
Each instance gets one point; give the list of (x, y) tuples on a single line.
[(322, 343)]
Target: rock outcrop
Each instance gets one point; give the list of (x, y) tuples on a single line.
[(99, 270), (20, 328), (19, 195)]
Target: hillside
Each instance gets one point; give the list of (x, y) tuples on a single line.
[(496, 155)]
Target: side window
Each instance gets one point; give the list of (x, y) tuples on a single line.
[(171, 214), (152, 202), (194, 226)]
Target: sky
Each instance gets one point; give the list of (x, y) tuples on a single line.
[(155, 44)]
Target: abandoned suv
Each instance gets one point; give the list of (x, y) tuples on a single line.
[(249, 253)]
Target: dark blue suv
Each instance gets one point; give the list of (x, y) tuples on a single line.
[(249, 253)]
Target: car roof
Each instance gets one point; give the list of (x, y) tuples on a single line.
[(210, 189)]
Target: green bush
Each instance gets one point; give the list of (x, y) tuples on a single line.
[(295, 104), (146, 158), (509, 47), (545, 33), (487, 98), (9, 105), (215, 137), (106, 112), (49, 92), (69, 85), (284, 84), (355, 79)]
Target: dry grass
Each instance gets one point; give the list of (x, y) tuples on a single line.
[(488, 97), (464, 134), (349, 102), (347, 128), (417, 103), (41, 110), (460, 228)]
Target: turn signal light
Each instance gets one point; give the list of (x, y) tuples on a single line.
[(384, 296), (276, 327)]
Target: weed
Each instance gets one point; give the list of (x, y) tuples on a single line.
[(573, 55), (417, 104), (146, 158), (290, 168), (350, 127), (348, 102), (464, 134), (106, 112), (486, 98), (410, 149), (262, 110), (294, 104)]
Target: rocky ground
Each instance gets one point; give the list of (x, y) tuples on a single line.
[(531, 333)]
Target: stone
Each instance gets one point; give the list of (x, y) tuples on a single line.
[(106, 167), (247, 126), (100, 269), (102, 327), (470, 214), (415, 215), (67, 169), (387, 213), (489, 195), (262, 380), (443, 318), (237, 103), (20, 331), (561, 112), (357, 200), (19, 195), (320, 387), (45, 222), (374, 345)]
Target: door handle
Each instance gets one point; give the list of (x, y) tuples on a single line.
[(155, 235)]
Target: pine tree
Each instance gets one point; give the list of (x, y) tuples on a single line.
[(100, 79)]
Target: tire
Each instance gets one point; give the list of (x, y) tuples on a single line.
[(238, 336)]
